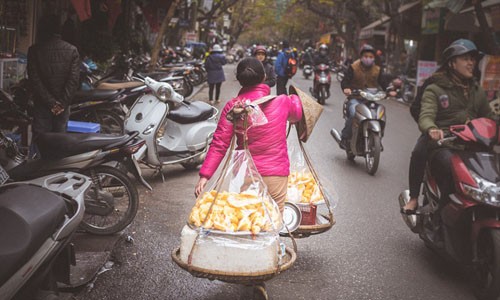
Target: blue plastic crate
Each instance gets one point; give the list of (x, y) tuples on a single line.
[(83, 127)]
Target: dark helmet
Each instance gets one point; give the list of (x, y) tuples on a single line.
[(460, 47), (367, 48), (260, 49), (323, 47)]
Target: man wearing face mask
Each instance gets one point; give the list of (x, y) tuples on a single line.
[(361, 74)]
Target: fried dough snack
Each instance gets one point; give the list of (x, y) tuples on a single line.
[(306, 186), (234, 212)]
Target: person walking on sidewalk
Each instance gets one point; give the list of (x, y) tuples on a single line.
[(280, 68), (54, 73), (215, 72), (266, 143)]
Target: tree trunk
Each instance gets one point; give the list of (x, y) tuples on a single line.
[(163, 29)]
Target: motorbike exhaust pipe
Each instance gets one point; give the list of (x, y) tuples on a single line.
[(335, 134), (410, 220)]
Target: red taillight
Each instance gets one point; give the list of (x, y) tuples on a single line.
[(131, 149)]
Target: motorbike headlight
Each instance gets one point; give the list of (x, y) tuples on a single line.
[(164, 93), (486, 192)]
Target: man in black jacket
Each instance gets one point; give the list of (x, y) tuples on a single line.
[(53, 71)]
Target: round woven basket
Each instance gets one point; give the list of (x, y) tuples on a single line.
[(240, 278), (307, 230)]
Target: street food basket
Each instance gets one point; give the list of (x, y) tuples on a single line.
[(313, 218), (254, 280)]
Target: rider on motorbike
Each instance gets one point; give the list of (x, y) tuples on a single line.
[(361, 74), (454, 97), (320, 58)]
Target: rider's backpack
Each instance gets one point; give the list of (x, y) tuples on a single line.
[(291, 66), (416, 105)]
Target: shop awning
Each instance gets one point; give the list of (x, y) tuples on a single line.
[(370, 30), (466, 21)]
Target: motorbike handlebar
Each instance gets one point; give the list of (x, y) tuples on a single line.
[(446, 140)]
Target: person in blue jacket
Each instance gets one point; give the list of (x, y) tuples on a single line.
[(280, 68), (215, 72)]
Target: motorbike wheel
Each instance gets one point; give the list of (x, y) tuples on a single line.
[(488, 267), (111, 203), (187, 87), (407, 94), (322, 95), (306, 76), (372, 158), (110, 121)]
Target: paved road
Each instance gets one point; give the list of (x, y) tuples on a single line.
[(369, 254)]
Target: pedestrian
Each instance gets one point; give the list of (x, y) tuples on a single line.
[(261, 54), (54, 72), (267, 142), (280, 68), (215, 72)]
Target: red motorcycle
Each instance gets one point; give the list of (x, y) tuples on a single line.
[(467, 226), (321, 83)]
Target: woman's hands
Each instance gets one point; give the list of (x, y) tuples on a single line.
[(200, 186), (436, 134)]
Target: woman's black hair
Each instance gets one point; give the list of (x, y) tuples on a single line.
[(250, 72)]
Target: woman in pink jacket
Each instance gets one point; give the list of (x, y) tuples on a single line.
[(267, 143)]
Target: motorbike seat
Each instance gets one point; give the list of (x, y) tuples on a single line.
[(93, 95), (29, 216), (194, 112), (60, 145)]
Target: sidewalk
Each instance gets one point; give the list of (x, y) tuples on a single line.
[(93, 252)]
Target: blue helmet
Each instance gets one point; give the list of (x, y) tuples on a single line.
[(460, 47)]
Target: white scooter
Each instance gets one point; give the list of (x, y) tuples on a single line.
[(175, 130)]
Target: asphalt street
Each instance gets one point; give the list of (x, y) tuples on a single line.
[(368, 254)]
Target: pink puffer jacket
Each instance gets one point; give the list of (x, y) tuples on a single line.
[(267, 143)]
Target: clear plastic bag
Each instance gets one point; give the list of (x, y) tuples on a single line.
[(245, 115), (238, 201), (303, 187)]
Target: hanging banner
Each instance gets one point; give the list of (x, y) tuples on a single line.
[(431, 21), (424, 70), (83, 9), (490, 76)]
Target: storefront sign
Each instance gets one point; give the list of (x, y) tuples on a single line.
[(490, 76), (425, 70), (430, 21)]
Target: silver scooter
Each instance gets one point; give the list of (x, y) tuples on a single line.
[(368, 126), (38, 220), (176, 131)]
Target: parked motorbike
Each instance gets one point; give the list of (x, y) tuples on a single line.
[(339, 70), (321, 84), (39, 218), (307, 71), (113, 201), (466, 227), (175, 131), (367, 128), (408, 89)]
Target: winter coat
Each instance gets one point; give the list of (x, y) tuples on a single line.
[(270, 74), (213, 64), (267, 143), (282, 62), (444, 104), (53, 71), (359, 77)]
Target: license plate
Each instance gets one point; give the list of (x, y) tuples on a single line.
[(3, 175)]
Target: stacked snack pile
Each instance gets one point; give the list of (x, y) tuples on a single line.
[(234, 212), (303, 189)]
